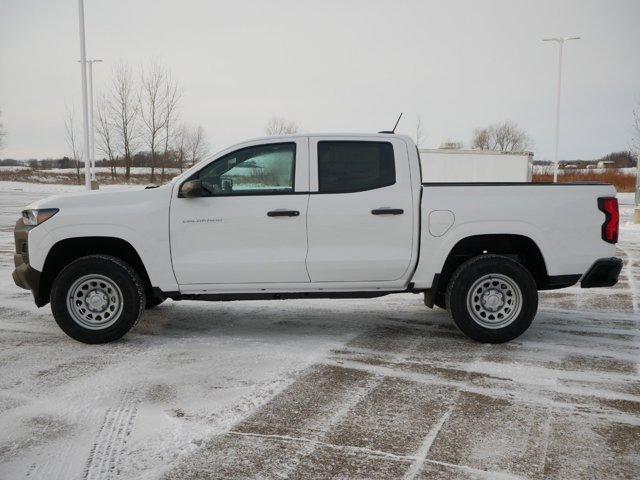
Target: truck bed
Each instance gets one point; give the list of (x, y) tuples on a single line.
[(562, 219)]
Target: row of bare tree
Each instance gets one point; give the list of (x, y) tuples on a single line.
[(280, 126), (505, 137), (137, 113)]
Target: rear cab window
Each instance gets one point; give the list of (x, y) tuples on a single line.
[(355, 166)]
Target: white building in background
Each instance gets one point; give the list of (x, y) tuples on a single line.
[(606, 164), (446, 165)]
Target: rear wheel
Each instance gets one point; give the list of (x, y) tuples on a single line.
[(97, 299), (492, 299)]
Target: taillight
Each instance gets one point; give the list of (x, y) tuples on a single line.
[(610, 227)]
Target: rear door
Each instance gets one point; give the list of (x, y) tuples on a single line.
[(360, 215)]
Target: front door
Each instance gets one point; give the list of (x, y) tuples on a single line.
[(250, 224), (360, 219)]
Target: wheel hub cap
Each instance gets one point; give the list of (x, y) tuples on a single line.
[(494, 301), (94, 302)]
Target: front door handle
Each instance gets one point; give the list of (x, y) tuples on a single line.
[(387, 211), (283, 213)]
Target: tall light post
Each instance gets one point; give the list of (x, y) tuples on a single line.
[(636, 147), (94, 182), (85, 113), (560, 41), (636, 211)]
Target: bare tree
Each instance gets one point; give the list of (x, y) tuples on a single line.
[(280, 126), (125, 110), (419, 132), (481, 139), (71, 137), (2, 132), (152, 105), (180, 141), (104, 128), (172, 96), (509, 137), (197, 147), (504, 137)]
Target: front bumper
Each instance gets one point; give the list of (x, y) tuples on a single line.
[(24, 275), (603, 273)]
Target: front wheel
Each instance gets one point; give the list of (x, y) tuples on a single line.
[(492, 299), (97, 299)]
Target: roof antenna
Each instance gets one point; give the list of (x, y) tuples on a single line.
[(394, 127)]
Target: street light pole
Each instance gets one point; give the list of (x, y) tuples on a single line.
[(560, 41), (85, 113), (636, 211), (92, 124)]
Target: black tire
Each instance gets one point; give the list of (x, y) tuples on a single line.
[(467, 310), (153, 302), (126, 283)]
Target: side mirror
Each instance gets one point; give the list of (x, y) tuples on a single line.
[(191, 189)]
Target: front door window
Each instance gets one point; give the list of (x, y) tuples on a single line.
[(264, 169)]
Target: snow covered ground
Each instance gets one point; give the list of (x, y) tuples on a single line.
[(381, 388)]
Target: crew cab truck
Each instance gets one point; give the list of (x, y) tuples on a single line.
[(307, 216)]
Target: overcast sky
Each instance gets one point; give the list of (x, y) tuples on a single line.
[(335, 66)]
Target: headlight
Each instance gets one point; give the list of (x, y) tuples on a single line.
[(36, 217)]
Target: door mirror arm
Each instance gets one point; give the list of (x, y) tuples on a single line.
[(190, 189)]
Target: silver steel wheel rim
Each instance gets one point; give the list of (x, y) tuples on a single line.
[(494, 301), (94, 302)]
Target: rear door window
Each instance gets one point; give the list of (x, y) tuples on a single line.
[(354, 166)]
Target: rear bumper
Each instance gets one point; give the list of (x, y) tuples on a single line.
[(603, 273)]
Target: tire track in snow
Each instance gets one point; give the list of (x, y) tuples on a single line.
[(106, 450), (55, 466), (112, 438), (633, 286)]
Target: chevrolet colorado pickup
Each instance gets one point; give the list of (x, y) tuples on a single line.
[(308, 216)]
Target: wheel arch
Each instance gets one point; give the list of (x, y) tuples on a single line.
[(65, 251), (521, 248)]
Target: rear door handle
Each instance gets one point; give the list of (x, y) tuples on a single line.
[(387, 211), (283, 213)]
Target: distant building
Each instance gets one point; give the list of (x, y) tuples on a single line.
[(449, 145), (606, 164)]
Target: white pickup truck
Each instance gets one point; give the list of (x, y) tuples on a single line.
[(308, 216)]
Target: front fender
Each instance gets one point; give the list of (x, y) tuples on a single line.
[(153, 251)]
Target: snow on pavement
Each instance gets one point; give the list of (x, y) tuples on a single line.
[(381, 388)]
